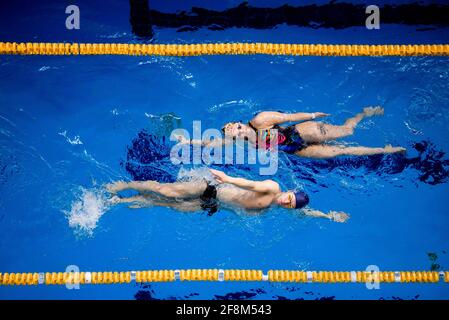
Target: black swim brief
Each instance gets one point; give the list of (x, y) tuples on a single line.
[(209, 200)]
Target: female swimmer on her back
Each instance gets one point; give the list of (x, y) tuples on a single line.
[(305, 139)]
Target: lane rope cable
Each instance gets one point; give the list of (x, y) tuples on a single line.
[(115, 277), (30, 48)]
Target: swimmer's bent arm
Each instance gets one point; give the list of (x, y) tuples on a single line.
[(267, 119), (265, 186), (337, 216)]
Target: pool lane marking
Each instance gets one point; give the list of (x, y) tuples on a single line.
[(197, 49)]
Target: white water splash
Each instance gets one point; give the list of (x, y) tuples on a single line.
[(73, 141), (87, 210), (152, 116), (232, 104), (114, 35), (412, 130)]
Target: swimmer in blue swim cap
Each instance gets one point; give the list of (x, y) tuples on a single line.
[(230, 192)]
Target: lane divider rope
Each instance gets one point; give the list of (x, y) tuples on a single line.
[(34, 48), (64, 278)]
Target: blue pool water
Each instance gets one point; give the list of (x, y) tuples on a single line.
[(68, 124)]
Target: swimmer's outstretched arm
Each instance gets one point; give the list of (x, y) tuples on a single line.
[(257, 186), (337, 216), (266, 119), (206, 143)]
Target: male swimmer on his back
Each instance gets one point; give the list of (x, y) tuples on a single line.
[(193, 196)]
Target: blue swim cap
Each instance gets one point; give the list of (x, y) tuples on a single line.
[(302, 199)]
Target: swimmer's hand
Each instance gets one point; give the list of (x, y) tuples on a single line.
[(183, 140), (220, 176), (338, 216), (320, 115)]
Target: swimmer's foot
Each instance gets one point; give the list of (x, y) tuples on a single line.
[(136, 206), (116, 187), (338, 216), (373, 111), (114, 200), (390, 149)]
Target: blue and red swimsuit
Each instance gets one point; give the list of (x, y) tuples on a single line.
[(288, 140)]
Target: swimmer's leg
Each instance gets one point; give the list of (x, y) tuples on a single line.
[(190, 189), (367, 112), (315, 132), (142, 201), (138, 201), (139, 198), (321, 151)]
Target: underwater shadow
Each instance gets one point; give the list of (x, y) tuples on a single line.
[(148, 158), (430, 164), (143, 18)]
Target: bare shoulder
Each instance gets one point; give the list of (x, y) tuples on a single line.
[(272, 185)]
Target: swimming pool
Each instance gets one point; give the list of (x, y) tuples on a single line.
[(67, 125)]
